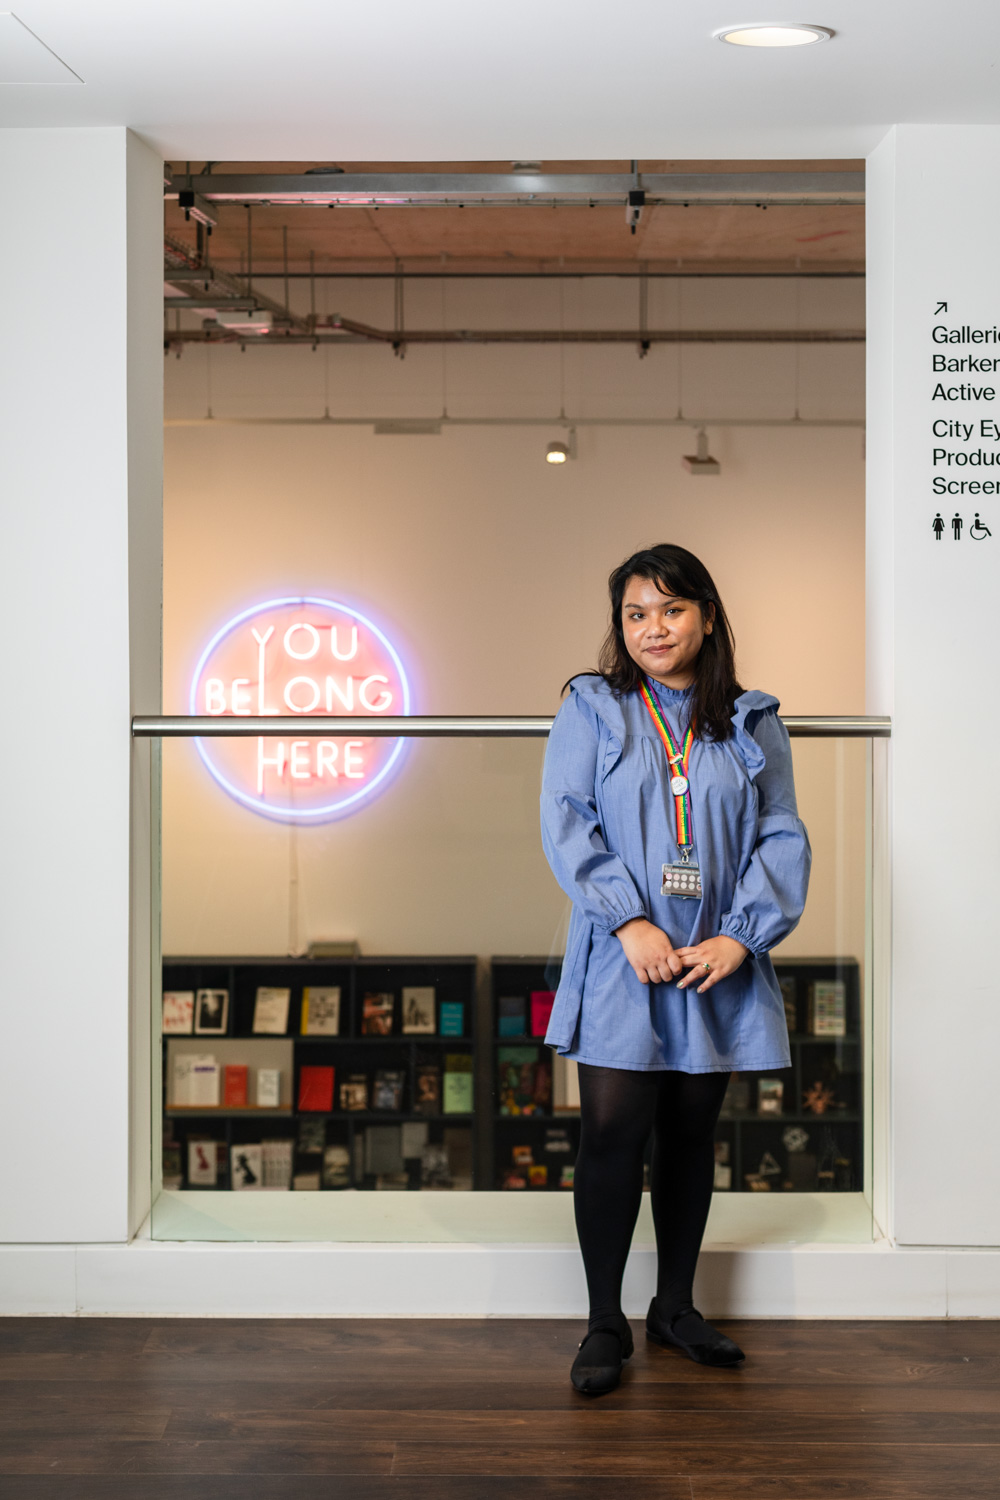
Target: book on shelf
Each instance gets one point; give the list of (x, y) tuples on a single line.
[(305, 1182), (387, 1089), (418, 1009), (510, 1015), (336, 1167), (565, 1083), (542, 1002), (202, 1163), (276, 1163), (452, 1021), (538, 1175), (383, 1150), (458, 1147), (392, 1182), (195, 1080), (435, 1172), (414, 1138), (789, 987), (524, 1081), (173, 1172), (513, 1179), (316, 1088), (723, 1180), (211, 1012), (737, 1096), (828, 1007), (268, 1088), (246, 1168), (270, 1011), (376, 1014), (311, 1137), (770, 1096), (457, 1091), (320, 1010), (802, 1172), (522, 1155), (567, 1174), (557, 1143), (235, 1078), (178, 1012), (427, 1100), (354, 1092)]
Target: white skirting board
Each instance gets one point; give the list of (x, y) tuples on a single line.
[(156, 1279)]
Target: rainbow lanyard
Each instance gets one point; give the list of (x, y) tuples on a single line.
[(678, 759)]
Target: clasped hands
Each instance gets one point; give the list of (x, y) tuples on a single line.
[(656, 961)]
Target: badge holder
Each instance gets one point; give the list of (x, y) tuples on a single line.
[(682, 879)]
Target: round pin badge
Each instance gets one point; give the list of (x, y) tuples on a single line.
[(678, 785)]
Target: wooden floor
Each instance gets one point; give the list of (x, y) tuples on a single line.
[(100, 1409)]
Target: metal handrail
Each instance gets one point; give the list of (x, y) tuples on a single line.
[(514, 726)]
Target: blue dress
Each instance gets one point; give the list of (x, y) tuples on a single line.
[(607, 829)]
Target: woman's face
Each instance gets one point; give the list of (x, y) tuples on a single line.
[(663, 634)]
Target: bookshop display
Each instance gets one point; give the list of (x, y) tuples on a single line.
[(328, 1073), (797, 1130), (325, 1074)]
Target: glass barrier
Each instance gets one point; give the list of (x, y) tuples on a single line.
[(353, 1007)]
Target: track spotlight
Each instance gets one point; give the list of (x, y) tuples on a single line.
[(558, 453), (701, 462)]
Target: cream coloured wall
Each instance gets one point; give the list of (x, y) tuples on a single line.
[(488, 569)]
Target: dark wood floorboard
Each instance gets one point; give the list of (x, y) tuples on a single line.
[(111, 1409)]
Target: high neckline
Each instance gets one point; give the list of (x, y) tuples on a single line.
[(668, 692)]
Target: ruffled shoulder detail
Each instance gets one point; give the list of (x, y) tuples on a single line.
[(750, 709), (599, 696)]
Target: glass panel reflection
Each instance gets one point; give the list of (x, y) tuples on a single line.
[(358, 1006)]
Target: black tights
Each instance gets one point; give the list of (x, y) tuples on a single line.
[(618, 1109)]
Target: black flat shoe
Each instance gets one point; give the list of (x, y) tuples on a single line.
[(597, 1368), (688, 1331)]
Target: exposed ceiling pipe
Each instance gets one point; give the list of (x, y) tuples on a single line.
[(348, 331), (415, 426)]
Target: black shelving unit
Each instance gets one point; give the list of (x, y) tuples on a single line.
[(522, 976), (831, 1157), (453, 979)]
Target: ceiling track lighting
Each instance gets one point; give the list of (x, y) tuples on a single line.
[(701, 462), (774, 34), (560, 453)]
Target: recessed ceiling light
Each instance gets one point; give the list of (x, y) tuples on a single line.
[(769, 34)]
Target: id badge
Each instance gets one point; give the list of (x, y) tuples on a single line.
[(683, 880)]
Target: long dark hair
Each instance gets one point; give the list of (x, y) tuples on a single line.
[(677, 571)]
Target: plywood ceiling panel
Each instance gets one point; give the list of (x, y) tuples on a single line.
[(452, 239)]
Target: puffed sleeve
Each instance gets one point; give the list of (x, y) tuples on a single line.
[(592, 876), (771, 893)]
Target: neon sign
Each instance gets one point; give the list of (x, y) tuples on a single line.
[(300, 656)]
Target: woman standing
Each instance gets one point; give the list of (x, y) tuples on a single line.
[(669, 818)]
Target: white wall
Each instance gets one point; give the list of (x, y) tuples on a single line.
[(488, 567), (79, 598), (934, 618)]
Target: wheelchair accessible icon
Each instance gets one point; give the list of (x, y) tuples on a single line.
[(977, 531)]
